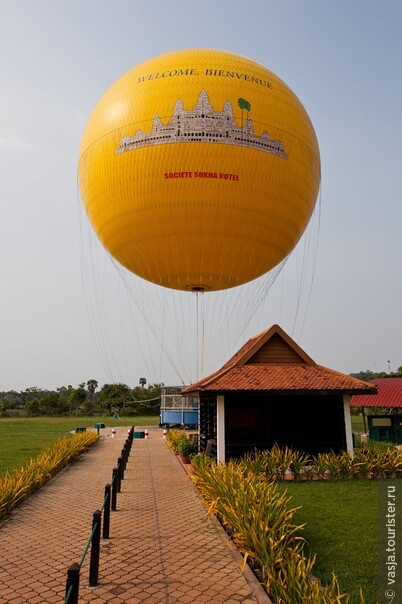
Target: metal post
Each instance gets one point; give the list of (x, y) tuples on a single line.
[(124, 458), (114, 489), (118, 483), (120, 467), (106, 513), (95, 548), (73, 583)]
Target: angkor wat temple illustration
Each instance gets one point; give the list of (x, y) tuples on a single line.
[(202, 125)]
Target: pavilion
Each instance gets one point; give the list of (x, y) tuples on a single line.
[(271, 392)]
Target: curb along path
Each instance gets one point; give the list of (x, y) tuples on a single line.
[(162, 546)]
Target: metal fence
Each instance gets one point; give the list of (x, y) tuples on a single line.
[(100, 520)]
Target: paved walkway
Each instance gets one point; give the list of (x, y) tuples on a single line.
[(162, 546)]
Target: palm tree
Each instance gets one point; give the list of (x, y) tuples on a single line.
[(92, 386)]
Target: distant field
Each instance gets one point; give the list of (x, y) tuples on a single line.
[(21, 438)]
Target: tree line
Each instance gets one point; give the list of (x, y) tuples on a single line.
[(369, 375), (84, 400)]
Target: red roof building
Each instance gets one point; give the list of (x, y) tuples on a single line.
[(387, 427), (389, 394), (270, 392)]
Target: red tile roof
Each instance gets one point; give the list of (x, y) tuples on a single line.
[(281, 377), (241, 373), (389, 394)]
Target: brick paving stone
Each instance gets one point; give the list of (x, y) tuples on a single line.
[(162, 548)]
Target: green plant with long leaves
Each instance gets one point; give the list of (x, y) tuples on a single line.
[(275, 463), (176, 439), (22, 481), (260, 521), (367, 461)]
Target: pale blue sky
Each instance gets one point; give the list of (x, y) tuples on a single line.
[(343, 59)]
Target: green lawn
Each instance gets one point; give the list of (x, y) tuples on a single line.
[(341, 528), (357, 423), (21, 438)]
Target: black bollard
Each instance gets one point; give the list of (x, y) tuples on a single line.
[(73, 583), (95, 548), (118, 477), (128, 445), (124, 459), (120, 466), (114, 489), (106, 513)]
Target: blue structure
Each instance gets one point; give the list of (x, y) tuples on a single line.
[(178, 410)]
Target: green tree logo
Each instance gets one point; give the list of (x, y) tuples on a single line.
[(244, 105)]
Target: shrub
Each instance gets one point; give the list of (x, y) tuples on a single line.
[(370, 460), (274, 464), (179, 443), (199, 459)]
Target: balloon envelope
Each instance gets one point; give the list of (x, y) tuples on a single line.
[(199, 170)]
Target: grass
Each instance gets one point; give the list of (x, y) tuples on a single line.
[(357, 423), (22, 438), (341, 528)]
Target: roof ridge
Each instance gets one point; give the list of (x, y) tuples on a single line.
[(273, 375)]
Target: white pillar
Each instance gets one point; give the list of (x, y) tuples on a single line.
[(348, 423), (220, 429)]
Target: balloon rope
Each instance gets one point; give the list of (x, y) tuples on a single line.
[(203, 337), (197, 334), (315, 254)]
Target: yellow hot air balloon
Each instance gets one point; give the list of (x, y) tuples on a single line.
[(199, 170)]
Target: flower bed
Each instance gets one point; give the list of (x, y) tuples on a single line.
[(21, 482), (371, 460), (259, 520), (179, 442)]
